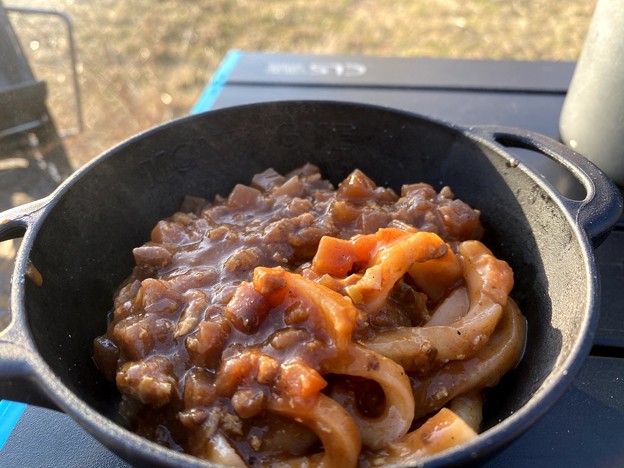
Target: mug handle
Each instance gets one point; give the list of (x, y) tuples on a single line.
[(601, 208)]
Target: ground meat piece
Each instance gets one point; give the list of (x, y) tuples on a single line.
[(345, 212), (232, 424), (293, 187), (267, 180), (245, 259), (299, 206), (204, 347), (138, 335), (199, 388), (169, 232), (357, 187), (150, 258), (192, 313), (151, 381), (249, 402), (461, 220), (243, 197), (157, 295)]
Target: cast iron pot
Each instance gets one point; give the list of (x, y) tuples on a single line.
[(80, 240)]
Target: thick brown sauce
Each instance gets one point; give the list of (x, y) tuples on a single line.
[(172, 329)]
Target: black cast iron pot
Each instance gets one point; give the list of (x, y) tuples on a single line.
[(80, 240)]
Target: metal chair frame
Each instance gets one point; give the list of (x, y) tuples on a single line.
[(25, 121)]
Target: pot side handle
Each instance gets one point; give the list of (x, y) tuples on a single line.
[(15, 221), (18, 375), (18, 359), (602, 207)]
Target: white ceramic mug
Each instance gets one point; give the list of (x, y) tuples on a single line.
[(592, 118)]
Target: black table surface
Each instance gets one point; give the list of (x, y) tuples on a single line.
[(586, 426)]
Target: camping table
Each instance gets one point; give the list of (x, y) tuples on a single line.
[(586, 426)]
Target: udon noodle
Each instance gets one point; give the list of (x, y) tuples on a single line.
[(294, 323)]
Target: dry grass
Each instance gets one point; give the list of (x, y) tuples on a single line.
[(145, 62)]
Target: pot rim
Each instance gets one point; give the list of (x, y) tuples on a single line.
[(124, 442)]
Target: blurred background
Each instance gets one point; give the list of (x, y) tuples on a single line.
[(140, 63), (144, 62)]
